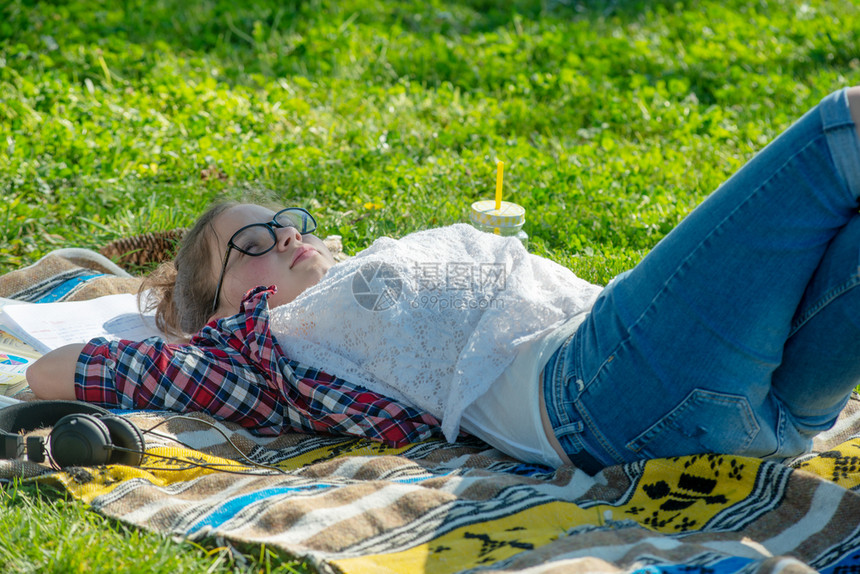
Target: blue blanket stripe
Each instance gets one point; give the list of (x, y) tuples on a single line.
[(229, 509), (729, 565), (60, 290)]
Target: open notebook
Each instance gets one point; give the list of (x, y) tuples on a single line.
[(48, 326)]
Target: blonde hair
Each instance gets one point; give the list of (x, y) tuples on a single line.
[(184, 288)]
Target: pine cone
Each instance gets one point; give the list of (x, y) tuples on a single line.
[(144, 249)]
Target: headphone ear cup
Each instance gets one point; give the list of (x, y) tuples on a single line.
[(80, 440), (125, 435)]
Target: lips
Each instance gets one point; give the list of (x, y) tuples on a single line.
[(302, 253)]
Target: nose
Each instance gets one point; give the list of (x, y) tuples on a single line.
[(285, 236)]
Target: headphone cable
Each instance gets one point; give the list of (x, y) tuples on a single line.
[(191, 464), (213, 426)]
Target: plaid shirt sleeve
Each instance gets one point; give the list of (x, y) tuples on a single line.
[(152, 374), (234, 369)]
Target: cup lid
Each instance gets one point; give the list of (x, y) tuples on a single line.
[(508, 215)]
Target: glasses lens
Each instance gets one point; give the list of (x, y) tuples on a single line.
[(254, 239), (298, 218)]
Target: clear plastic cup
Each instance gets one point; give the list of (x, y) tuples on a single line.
[(506, 221)]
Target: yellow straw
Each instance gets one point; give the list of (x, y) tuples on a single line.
[(499, 171)]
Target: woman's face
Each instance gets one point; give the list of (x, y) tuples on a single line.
[(295, 263)]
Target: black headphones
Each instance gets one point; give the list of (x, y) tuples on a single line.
[(83, 434)]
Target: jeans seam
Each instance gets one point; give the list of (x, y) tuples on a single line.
[(584, 413), (601, 440), (560, 382), (822, 303)]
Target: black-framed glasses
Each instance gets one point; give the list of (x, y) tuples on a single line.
[(260, 238)]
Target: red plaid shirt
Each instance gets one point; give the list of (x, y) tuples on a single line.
[(234, 370)]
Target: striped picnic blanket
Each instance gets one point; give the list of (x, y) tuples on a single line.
[(354, 506)]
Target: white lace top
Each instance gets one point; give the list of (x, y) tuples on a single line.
[(432, 319)]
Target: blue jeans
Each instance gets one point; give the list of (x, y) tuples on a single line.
[(740, 331)]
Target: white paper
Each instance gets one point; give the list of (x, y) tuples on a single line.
[(48, 326)]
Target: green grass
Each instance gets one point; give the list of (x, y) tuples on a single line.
[(44, 531), (614, 118)]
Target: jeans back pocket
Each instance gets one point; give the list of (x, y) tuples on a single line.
[(705, 421)]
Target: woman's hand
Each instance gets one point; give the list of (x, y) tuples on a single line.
[(53, 375)]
